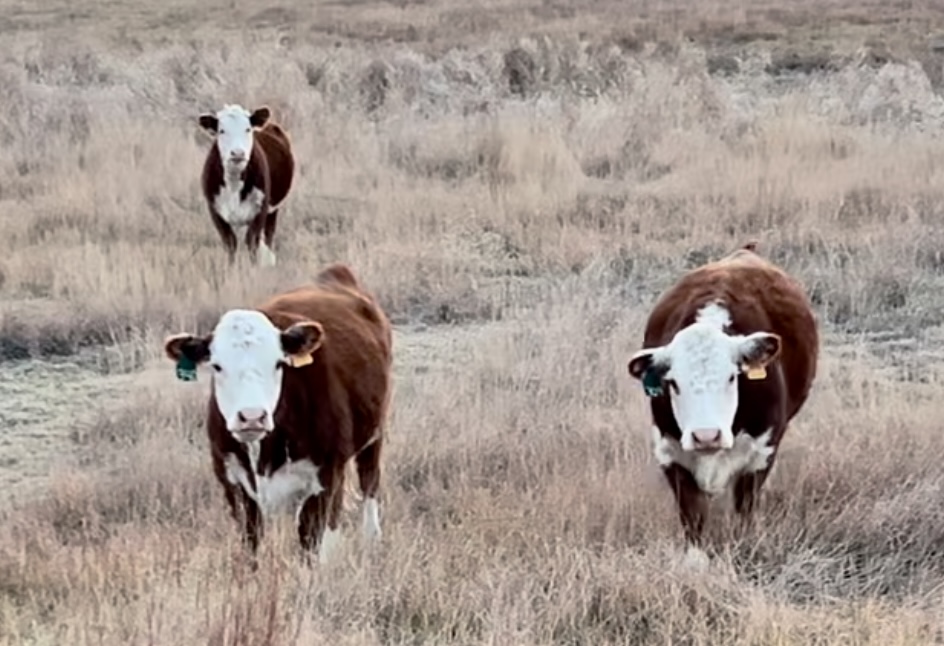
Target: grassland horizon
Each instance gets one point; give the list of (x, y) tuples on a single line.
[(516, 182)]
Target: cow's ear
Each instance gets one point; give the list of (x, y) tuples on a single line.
[(650, 367), (187, 346), (209, 122), (755, 351), (259, 117), (301, 340), (646, 360), (188, 352)]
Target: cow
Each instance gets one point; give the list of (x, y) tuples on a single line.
[(300, 386), (728, 358), (247, 175)]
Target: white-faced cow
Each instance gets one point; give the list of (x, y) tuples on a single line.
[(300, 386), (730, 354), (247, 174)]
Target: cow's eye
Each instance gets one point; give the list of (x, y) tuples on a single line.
[(731, 379), (222, 132), (248, 129), (216, 367)]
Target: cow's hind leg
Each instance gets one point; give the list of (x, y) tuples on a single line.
[(319, 517), (368, 475), (267, 247)]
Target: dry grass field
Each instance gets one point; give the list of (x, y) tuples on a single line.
[(517, 181)]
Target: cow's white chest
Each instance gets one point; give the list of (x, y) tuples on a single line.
[(279, 491), (235, 211), (714, 472)]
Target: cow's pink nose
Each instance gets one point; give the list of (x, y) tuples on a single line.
[(254, 416), (707, 437)]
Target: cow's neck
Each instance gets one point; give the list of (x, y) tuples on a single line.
[(233, 179), (254, 449), (265, 459)]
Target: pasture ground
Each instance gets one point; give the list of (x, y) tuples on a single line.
[(517, 181)]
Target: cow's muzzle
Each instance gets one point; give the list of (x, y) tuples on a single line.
[(252, 424)]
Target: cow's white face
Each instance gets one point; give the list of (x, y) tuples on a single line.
[(248, 354), (232, 126), (698, 370)]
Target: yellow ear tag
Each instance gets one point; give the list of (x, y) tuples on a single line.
[(756, 373), (299, 360)]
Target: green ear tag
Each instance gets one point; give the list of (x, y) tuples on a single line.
[(186, 369), (652, 383)]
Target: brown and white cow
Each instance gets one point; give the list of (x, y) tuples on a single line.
[(247, 174), (300, 386), (730, 354)]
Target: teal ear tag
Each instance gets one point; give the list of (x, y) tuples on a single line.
[(186, 369), (652, 383)]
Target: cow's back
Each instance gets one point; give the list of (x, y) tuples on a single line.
[(356, 353), (279, 158), (759, 297)]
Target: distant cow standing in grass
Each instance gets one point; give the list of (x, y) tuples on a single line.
[(730, 354), (246, 176), (300, 386)]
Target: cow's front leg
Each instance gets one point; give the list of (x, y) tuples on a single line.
[(749, 483), (254, 236), (746, 491), (320, 515), (253, 527), (247, 514), (226, 234), (242, 506), (691, 503), (690, 500)]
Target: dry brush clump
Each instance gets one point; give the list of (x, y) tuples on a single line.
[(540, 215)]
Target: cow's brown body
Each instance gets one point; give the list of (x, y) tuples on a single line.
[(266, 183), (330, 411), (759, 297)]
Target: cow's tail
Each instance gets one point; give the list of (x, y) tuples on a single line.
[(352, 491)]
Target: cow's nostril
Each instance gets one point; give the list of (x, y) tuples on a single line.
[(707, 435), (252, 415)]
